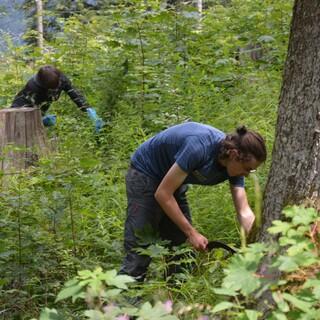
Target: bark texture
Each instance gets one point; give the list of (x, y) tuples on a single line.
[(22, 138), (294, 175), (39, 23)]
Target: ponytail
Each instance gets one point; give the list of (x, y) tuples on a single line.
[(248, 143)]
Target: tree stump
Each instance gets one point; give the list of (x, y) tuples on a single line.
[(22, 138)]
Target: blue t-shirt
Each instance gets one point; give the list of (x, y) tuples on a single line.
[(193, 146)]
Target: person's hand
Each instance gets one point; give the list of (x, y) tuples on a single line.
[(246, 220), (198, 241), (98, 122), (49, 120), (92, 114)]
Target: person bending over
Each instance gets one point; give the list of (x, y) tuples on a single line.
[(45, 87), (163, 166)]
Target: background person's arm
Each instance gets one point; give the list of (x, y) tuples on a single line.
[(81, 102), (165, 197), (245, 214), (74, 94), (26, 96)]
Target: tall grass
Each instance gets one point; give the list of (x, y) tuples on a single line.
[(186, 74)]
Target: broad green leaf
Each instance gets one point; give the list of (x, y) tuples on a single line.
[(119, 281), (281, 303), (224, 291), (158, 312), (299, 233), (284, 241), (71, 282), (301, 215), (279, 316), (112, 293), (287, 264), (222, 306), (252, 314), (154, 251), (84, 274), (94, 315), (68, 292), (81, 294), (84, 282), (50, 314), (108, 275), (299, 248), (258, 248), (240, 275), (279, 227), (300, 304), (315, 285), (96, 285), (305, 258), (254, 252), (305, 216), (290, 212)]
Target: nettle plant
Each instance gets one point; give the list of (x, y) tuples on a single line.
[(292, 274), (295, 289), (104, 293)]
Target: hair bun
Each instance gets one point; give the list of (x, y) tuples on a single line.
[(242, 130)]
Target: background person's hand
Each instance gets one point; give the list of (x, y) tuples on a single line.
[(198, 241), (49, 120), (98, 122)]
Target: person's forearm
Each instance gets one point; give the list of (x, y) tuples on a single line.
[(171, 208), (76, 96), (245, 216), (244, 213)]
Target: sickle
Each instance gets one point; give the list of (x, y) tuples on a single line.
[(217, 244)]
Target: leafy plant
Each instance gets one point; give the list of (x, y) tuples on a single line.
[(144, 67), (297, 252), (100, 290)]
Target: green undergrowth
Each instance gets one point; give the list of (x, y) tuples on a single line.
[(291, 277), (143, 69)]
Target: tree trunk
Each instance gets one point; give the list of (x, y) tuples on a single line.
[(294, 175), (199, 6), (39, 23), (22, 138)]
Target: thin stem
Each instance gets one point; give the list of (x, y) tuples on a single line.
[(72, 226), (243, 238), (19, 232), (258, 200), (142, 61)]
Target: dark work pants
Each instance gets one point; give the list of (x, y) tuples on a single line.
[(143, 210)]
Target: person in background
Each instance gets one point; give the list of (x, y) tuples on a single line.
[(44, 88), (161, 168)]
